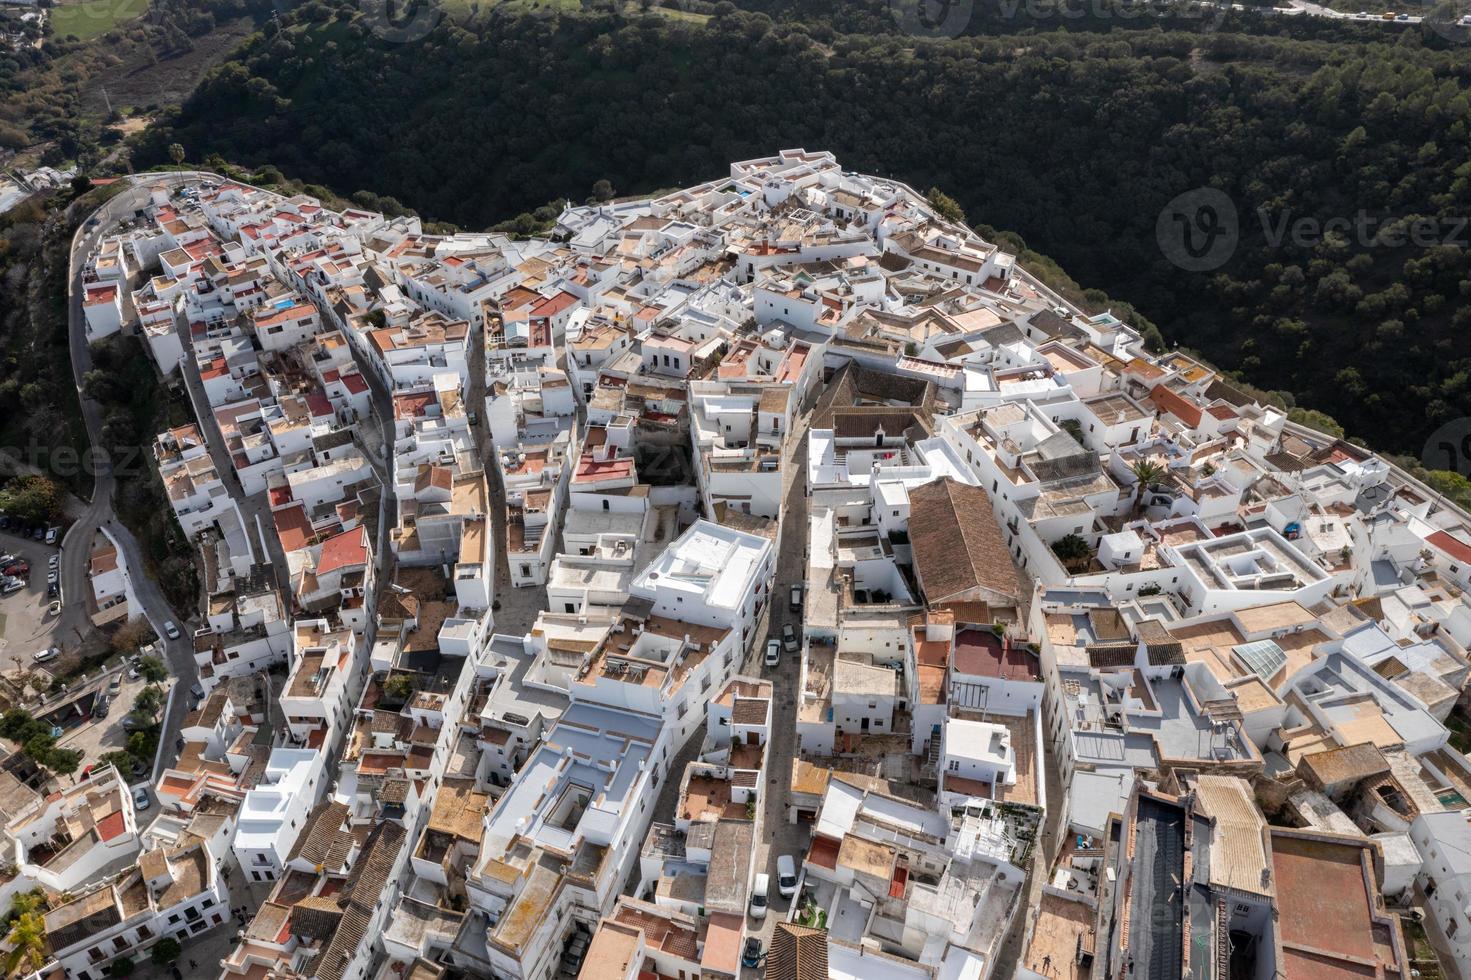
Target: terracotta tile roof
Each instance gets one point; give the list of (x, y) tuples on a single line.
[(1111, 654), (957, 542), (343, 550), (322, 825), (797, 953), (364, 888), (1452, 546), (749, 711), (316, 917)]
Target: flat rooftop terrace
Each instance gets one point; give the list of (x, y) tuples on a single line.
[(982, 653)]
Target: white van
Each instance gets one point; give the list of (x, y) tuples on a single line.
[(758, 897), (786, 876)]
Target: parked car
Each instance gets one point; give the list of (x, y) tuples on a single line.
[(789, 638), (52, 533), (12, 585), (197, 691), (101, 707), (773, 653), (39, 533), (53, 590), (115, 684), (8, 559), (758, 896), (54, 561), (18, 569), (134, 723), (50, 653), (796, 598), (55, 609), (53, 577), (140, 798), (786, 876), (170, 630), (751, 953)]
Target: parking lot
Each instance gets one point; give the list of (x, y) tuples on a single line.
[(27, 623), (95, 736)]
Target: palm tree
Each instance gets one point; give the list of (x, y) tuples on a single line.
[(176, 153), (27, 936), (1146, 471)]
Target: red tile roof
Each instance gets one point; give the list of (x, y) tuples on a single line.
[(343, 550), (1177, 405), (1452, 546), (111, 826), (293, 528)]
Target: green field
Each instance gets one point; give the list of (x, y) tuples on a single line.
[(93, 17)]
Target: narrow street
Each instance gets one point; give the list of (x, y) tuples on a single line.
[(255, 510), (778, 836)]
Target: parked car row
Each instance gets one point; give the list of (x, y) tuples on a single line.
[(29, 529), (786, 885)]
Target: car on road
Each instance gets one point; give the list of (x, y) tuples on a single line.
[(796, 598), (786, 876), (758, 896), (50, 653), (751, 953), (773, 653), (197, 691), (140, 799), (789, 637), (170, 630)]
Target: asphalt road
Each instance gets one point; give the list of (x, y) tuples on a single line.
[(99, 510)]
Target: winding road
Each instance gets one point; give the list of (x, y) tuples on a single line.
[(99, 511)]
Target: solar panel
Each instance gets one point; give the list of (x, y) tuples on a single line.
[(1264, 657)]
